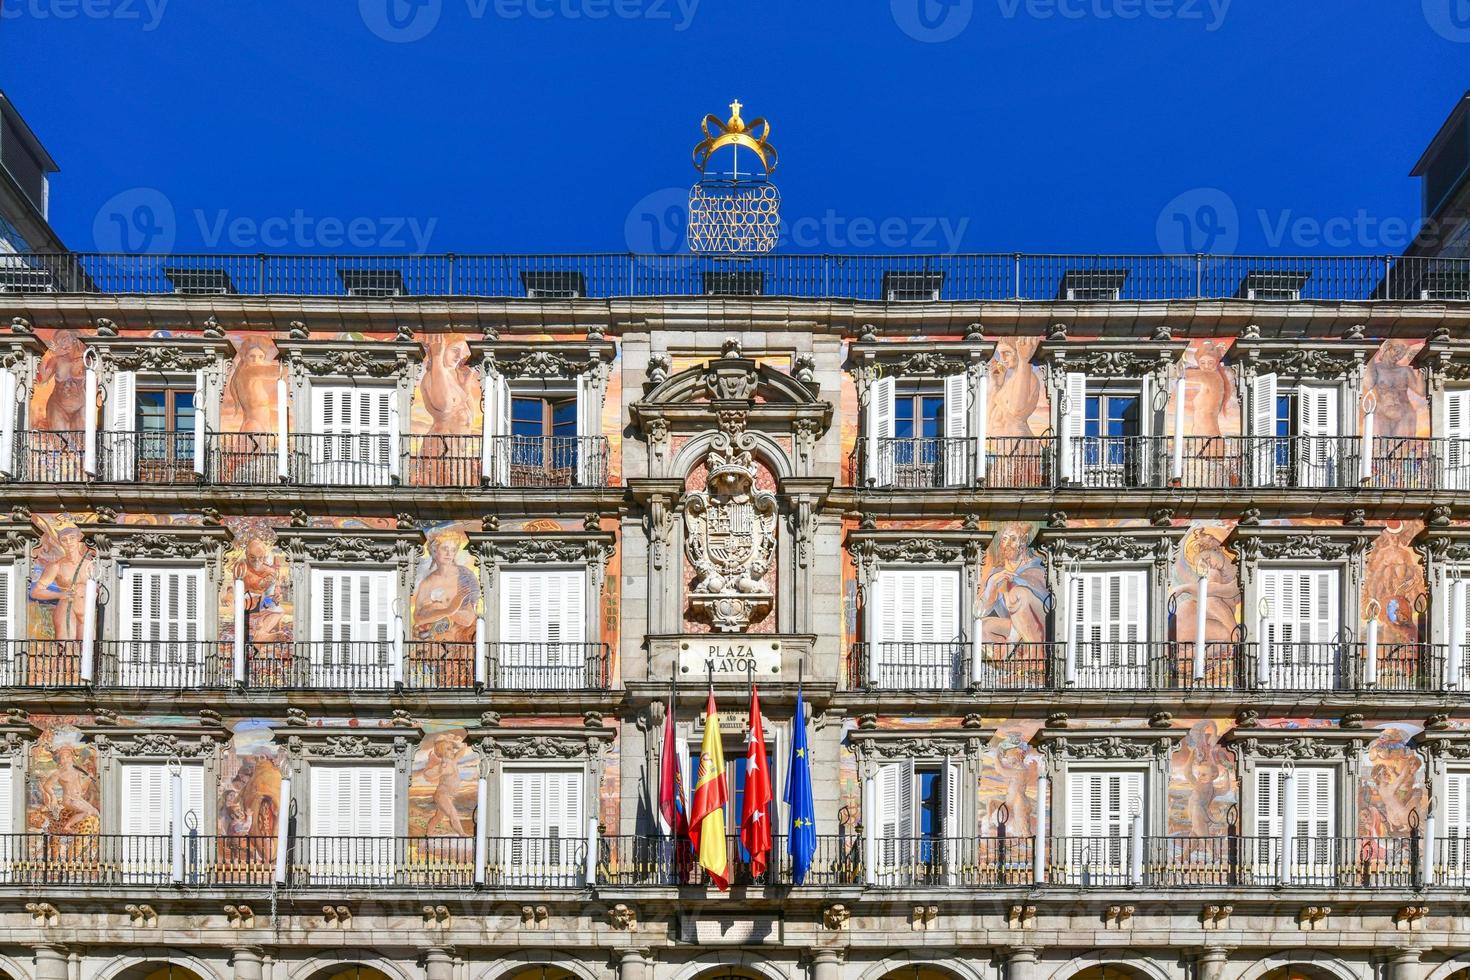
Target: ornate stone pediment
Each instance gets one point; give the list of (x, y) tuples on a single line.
[(1105, 357), (942, 743), (497, 742), (396, 742), (898, 359), (1132, 545), (161, 745), (1113, 744), (1443, 359), (1318, 359), (351, 358), (157, 542), (1317, 544), (19, 345), (543, 548), (1444, 546), (1300, 744), (1444, 744), (730, 542), (543, 361), (160, 355), (350, 546), (16, 732), (870, 549), (15, 535)]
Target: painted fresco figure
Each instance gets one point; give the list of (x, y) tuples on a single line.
[(67, 794), (449, 400), (442, 773), (445, 605), (251, 391)]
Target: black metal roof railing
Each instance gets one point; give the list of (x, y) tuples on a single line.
[(878, 278)]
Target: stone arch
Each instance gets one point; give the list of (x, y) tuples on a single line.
[(728, 959), (141, 963), (1450, 967), (1137, 963), (1328, 966), (956, 968), (12, 969), (513, 963), (339, 959), (765, 450)]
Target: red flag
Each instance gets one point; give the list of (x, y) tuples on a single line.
[(755, 823), (671, 782)]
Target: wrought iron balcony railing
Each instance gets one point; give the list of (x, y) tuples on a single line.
[(1072, 279), (41, 663), (255, 459)]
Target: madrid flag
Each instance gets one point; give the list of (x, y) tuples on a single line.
[(707, 810), (755, 828)]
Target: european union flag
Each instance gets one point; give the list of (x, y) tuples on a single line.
[(801, 843)]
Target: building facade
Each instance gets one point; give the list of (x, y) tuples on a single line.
[(341, 603)]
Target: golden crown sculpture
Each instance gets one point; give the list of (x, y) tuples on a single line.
[(754, 136), (734, 213)]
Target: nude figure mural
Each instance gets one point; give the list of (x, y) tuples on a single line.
[(445, 605)]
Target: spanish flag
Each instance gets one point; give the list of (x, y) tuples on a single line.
[(707, 812)]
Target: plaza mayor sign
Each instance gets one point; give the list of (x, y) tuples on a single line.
[(730, 657)]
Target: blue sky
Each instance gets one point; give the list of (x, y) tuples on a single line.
[(1266, 126)]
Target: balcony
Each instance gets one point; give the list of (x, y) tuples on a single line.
[(880, 278), (1163, 666), (255, 459), (1220, 463), (328, 665)]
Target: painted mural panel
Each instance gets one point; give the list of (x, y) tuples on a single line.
[(255, 557), (1203, 555), (1396, 390), (63, 795), (1395, 592), (444, 607), (59, 400), (1203, 788), (248, 402), (1012, 595), (442, 788), (1008, 774), (250, 808), (1392, 798), (1018, 402)]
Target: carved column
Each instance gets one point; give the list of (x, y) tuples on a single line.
[(51, 963), (247, 963), (1022, 963), (1212, 961), (633, 964), (1403, 964), (826, 964), (438, 964)]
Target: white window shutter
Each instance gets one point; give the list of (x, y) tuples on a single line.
[(1072, 424), (589, 423), (956, 445), (888, 819), (880, 427), (564, 804), (1457, 439), (1315, 806), (1270, 786), (1146, 406), (7, 607), (1457, 805), (7, 812), (146, 790), (514, 614), (1263, 429), (122, 424)]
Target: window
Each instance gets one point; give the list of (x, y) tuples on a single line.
[(147, 818), (915, 642), (1300, 801), (916, 826), (160, 625), (543, 441), (1457, 439), (533, 432), (352, 811), (736, 763), (543, 624), (1296, 429), (1109, 629), (1105, 425), (10, 850), (165, 427), (9, 655), (918, 433), (351, 625), (541, 821), (354, 438), (1301, 616), (1101, 805), (1455, 859)]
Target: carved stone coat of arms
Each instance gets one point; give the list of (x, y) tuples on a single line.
[(730, 541)]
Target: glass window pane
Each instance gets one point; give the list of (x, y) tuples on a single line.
[(933, 409), (183, 411), (564, 418), (152, 410), (527, 417)]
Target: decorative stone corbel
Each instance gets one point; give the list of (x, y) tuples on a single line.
[(1313, 918), (836, 917), (339, 916), (1118, 916), (142, 916), (925, 918), (1410, 918), (1021, 917), (43, 914), (623, 917), (240, 916), (535, 917), (1216, 917), (436, 917)]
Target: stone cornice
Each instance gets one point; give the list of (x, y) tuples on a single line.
[(1444, 545), (1130, 545), (1300, 542), (1111, 744), (159, 542), (1110, 357), (907, 743), (1444, 359), (351, 358), (543, 547), (350, 545), (920, 360), (559, 742), (311, 742), (160, 355), (1315, 358), (1259, 744), (541, 359)]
